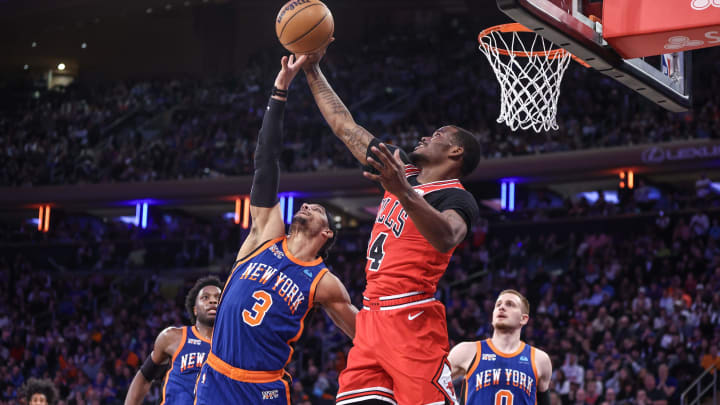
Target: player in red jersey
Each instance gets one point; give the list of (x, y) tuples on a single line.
[(401, 343)]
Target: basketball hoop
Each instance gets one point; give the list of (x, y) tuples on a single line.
[(529, 72)]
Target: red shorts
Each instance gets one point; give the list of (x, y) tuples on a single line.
[(399, 354)]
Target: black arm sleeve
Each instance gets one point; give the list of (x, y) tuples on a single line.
[(543, 398), (456, 199), (267, 157), (152, 371)]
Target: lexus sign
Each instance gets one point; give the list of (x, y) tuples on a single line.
[(658, 154)]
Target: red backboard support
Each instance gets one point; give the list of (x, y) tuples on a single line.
[(565, 23)]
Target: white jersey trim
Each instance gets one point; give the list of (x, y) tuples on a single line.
[(409, 304), (365, 398), (381, 389)]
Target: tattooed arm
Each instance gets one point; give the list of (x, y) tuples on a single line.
[(355, 137)]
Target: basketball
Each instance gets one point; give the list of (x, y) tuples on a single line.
[(304, 26)]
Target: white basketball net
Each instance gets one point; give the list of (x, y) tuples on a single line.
[(529, 79)]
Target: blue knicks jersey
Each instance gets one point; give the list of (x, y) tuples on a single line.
[(502, 378), (263, 308), (189, 357)]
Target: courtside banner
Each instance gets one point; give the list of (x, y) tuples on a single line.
[(640, 28)]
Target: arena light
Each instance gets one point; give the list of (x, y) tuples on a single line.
[(34, 44), (290, 203), (61, 66), (40, 217), (246, 213), (282, 207), (631, 179), (143, 224), (138, 212), (503, 196), (511, 196), (83, 45), (26, 67), (238, 206), (46, 225)]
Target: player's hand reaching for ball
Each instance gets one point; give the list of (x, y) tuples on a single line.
[(314, 58), (290, 67), (391, 170)]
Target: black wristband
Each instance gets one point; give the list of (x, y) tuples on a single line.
[(279, 93)]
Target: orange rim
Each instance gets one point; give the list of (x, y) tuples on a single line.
[(517, 27)]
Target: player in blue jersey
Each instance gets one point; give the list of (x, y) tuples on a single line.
[(276, 280), (503, 370), (182, 350)]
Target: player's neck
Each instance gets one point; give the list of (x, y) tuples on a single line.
[(302, 247), (506, 342), (431, 173), (205, 331)]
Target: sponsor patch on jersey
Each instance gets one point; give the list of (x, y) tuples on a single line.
[(524, 359), (488, 357), (277, 252), (196, 342), (272, 394)]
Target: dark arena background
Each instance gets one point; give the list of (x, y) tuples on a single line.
[(127, 133)]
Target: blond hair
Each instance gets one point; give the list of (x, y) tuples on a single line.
[(523, 300)]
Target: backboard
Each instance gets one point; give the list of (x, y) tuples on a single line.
[(576, 26)]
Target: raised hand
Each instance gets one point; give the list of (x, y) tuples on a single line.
[(290, 67)]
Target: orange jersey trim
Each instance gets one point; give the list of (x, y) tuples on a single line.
[(506, 355), (199, 335), (534, 367), (296, 260), (287, 390), (473, 366), (311, 302), (172, 361), (239, 374)]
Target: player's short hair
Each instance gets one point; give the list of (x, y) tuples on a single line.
[(324, 251), (39, 386), (191, 296), (471, 149), (523, 300)]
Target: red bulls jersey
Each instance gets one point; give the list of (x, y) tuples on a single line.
[(399, 258)]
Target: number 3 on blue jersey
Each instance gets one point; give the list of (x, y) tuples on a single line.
[(264, 301)]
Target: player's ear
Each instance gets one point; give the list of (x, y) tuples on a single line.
[(328, 233), (524, 319), (456, 151)]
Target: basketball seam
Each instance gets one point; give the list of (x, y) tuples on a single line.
[(282, 31), (308, 31)]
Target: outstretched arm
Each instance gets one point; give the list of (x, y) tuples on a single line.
[(355, 137), (267, 222), (334, 298), (155, 365)]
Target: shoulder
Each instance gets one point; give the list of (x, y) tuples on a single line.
[(169, 339), (462, 353), (543, 363), (329, 288), (452, 195)]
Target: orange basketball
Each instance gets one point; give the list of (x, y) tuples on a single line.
[(304, 26)]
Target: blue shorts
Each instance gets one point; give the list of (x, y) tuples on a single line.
[(214, 388)]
